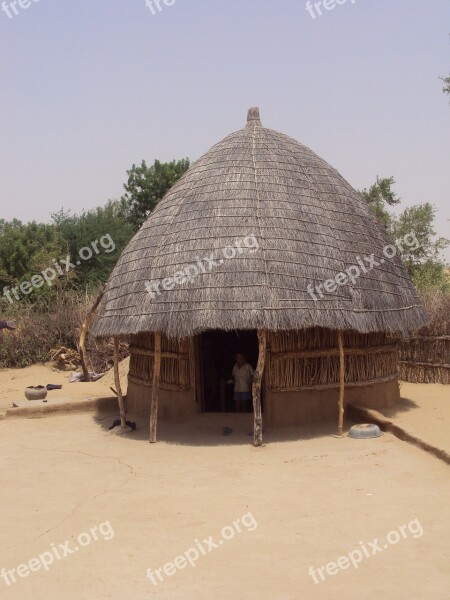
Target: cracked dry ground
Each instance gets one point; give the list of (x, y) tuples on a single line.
[(314, 500)]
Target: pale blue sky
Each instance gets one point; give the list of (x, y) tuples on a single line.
[(90, 86)]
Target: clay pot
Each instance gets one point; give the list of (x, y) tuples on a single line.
[(38, 392)]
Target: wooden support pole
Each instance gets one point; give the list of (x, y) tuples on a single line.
[(155, 388), (123, 420), (84, 331), (341, 382), (256, 388)]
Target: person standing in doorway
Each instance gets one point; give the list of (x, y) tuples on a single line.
[(242, 374)]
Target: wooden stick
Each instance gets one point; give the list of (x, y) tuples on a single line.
[(155, 388), (123, 420), (341, 383), (422, 364), (62, 349), (330, 386), (173, 387), (333, 352), (146, 352), (256, 388), (426, 337), (84, 330)]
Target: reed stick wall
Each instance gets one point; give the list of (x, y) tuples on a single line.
[(425, 358), (176, 361), (309, 359), (296, 360)]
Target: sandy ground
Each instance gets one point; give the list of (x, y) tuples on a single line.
[(424, 410), (14, 381), (309, 499)]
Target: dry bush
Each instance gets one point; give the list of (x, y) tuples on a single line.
[(101, 354), (41, 328)]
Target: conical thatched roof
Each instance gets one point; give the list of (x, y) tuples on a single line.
[(309, 224)]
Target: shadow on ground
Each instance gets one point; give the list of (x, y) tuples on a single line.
[(404, 405), (217, 429)]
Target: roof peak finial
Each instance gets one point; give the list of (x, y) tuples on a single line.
[(253, 117)]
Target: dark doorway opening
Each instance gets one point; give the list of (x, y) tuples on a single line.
[(217, 358)]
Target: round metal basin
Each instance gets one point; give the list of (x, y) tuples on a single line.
[(364, 431)]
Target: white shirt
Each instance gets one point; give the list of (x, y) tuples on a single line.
[(243, 377)]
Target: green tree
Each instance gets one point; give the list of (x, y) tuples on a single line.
[(22, 246), (446, 88), (28, 249), (146, 186), (104, 225), (421, 255), (423, 258), (379, 197)]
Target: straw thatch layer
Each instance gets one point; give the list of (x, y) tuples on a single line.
[(309, 223)]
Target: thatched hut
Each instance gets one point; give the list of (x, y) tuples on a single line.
[(250, 251)]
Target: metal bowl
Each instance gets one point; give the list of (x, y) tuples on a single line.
[(364, 431), (38, 392)]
